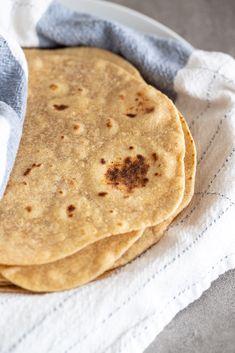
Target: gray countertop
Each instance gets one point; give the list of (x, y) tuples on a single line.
[(207, 325)]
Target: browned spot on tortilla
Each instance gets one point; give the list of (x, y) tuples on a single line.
[(102, 193), (131, 147), (62, 137), (109, 123), (75, 126), (111, 211), (28, 208), (80, 89), (149, 110), (121, 96), (71, 208), (53, 87), (28, 170), (127, 160), (24, 182), (131, 115), (102, 161), (128, 174), (155, 156), (60, 106)]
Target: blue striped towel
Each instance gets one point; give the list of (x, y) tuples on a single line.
[(124, 312)]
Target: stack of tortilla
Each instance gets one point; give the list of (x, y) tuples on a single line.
[(106, 162)]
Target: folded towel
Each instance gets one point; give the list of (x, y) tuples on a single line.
[(124, 313)]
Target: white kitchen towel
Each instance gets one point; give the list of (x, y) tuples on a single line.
[(125, 312)]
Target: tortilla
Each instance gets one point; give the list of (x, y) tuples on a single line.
[(74, 270), (99, 149), (153, 234), (1, 278), (3, 281), (10, 288), (85, 53)]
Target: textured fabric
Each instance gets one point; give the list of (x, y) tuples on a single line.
[(13, 94), (124, 313)]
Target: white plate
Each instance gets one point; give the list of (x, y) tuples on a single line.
[(122, 14)]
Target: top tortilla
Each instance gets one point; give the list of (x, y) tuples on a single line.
[(93, 140), (84, 53)]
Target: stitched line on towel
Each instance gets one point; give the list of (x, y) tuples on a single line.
[(219, 74), (203, 195), (152, 277), (208, 94), (56, 308), (216, 194), (60, 304), (214, 136), (145, 328), (197, 193)]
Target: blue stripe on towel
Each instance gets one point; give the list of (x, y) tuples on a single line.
[(13, 83), (13, 94), (13, 142)]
